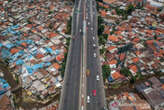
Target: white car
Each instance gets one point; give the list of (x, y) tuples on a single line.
[(94, 45), (80, 30), (88, 23), (88, 99), (92, 28), (94, 54), (93, 38), (97, 77)]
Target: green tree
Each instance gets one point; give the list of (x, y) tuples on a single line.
[(99, 0), (29, 22), (50, 12), (102, 51), (69, 26), (102, 40), (100, 29), (106, 71), (125, 71), (51, 26), (132, 80), (130, 9), (68, 41), (100, 25), (113, 30), (63, 65), (100, 20)]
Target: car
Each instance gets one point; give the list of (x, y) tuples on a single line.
[(97, 77), (92, 28), (94, 92), (94, 54), (93, 38), (88, 99), (94, 45), (80, 30), (88, 23)]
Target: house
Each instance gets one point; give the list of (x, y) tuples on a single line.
[(128, 101), (5, 103), (153, 91)]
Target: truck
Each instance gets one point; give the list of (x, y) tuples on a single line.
[(87, 72)]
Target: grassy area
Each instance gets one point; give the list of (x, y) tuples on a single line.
[(63, 66), (106, 71), (69, 26), (116, 85)]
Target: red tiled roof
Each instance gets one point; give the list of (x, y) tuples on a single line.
[(111, 48), (113, 38), (40, 28), (38, 56), (136, 40), (113, 62), (103, 13), (24, 44), (14, 50), (133, 68), (135, 60), (122, 56), (60, 57), (52, 35), (56, 66), (116, 75)]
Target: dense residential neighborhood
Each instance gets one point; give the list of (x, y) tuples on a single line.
[(34, 45), (131, 47), (82, 54), (134, 46)]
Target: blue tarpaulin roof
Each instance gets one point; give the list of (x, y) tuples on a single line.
[(2, 92), (27, 41), (29, 69), (47, 64), (21, 52), (9, 45), (49, 50), (1, 45), (37, 66), (11, 30), (19, 62), (4, 33), (5, 53), (15, 26), (110, 79), (57, 52), (3, 85), (34, 52), (29, 57)]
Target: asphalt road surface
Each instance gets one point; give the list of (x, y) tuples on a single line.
[(70, 93), (71, 90), (93, 63)]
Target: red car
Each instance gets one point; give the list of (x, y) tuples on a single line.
[(94, 92)]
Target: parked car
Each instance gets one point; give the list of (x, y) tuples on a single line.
[(97, 77), (94, 92), (88, 99), (94, 55), (94, 45), (93, 38)]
